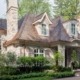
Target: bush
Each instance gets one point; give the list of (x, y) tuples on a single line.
[(61, 69), (8, 70), (39, 61), (31, 64), (16, 77), (61, 74), (31, 75), (24, 61), (10, 59)]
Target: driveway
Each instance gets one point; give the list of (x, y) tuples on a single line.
[(71, 78)]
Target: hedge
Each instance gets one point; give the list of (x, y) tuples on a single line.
[(62, 74), (16, 77), (30, 75)]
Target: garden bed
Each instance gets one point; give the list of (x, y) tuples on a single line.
[(33, 75)]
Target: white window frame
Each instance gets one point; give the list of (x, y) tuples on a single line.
[(39, 52), (73, 29), (44, 30)]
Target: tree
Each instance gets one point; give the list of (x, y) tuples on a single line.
[(69, 9), (58, 58), (74, 56), (74, 59), (33, 6), (10, 59)]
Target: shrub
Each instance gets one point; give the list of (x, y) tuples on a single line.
[(61, 69), (31, 75), (10, 59), (61, 74), (29, 64), (16, 77), (39, 61), (58, 58), (24, 61), (8, 70)]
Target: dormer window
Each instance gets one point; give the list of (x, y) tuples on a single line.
[(44, 30), (73, 29)]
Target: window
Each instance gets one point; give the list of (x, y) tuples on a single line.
[(73, 29), (38, 52), (44, 29)]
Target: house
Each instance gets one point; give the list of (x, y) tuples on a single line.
[(35, 35)]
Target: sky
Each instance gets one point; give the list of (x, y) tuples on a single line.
[(3, 8)]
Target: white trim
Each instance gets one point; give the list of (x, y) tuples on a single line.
[(47, 30), (45, 14), (39, 51)]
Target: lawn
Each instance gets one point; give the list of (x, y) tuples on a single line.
[(38, 78)]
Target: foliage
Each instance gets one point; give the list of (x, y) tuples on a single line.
[(22, 76), (33, 7), (30, 64), (61, 69), (32, 61), (67, 8), (24, 61), (10, 58), (58, 58), (2, 60), (8, 70), (62, 74), (74, 61), (39, 61), (37, 75), (74, 56), (39, 78)]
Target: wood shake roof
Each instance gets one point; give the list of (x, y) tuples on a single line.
[(28, 32), (58, 33)]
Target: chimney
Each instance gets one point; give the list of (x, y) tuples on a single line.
[(12, 18)]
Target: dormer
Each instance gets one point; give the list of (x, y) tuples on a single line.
[(71, 27), (42, 25)]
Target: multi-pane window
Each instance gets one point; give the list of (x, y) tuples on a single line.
[(44, 29), (73, 29), (38, 52)]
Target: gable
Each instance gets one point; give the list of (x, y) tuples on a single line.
[(44, 17), (71, 27)]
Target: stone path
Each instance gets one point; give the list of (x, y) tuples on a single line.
[(71, 78)]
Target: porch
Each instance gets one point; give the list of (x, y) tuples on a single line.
[(65, 48)]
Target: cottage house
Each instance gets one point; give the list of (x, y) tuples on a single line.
[(35, 35)]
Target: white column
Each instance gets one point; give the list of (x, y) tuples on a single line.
[(61, 49)]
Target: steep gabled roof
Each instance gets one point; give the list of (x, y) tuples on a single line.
[(58, 33), (28, 31)]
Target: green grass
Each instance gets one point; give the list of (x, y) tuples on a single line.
[(38, 78)]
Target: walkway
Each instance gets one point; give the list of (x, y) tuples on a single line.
[(71, 78)]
